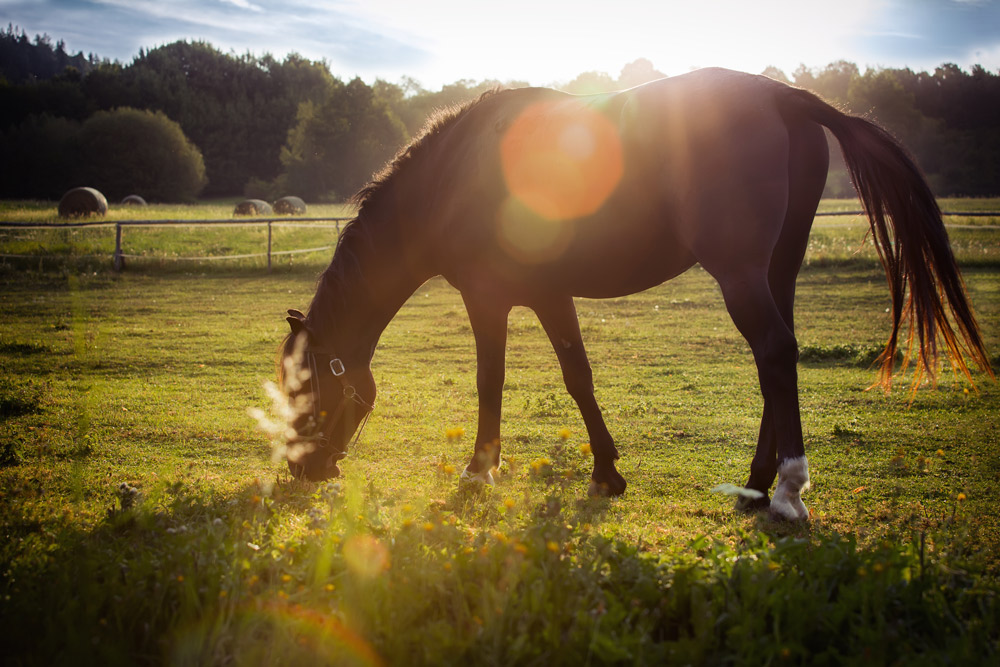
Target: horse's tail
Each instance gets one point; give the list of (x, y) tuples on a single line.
[(911, 241)]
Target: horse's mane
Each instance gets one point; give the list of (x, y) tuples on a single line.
[(437, 124), (359, 232)]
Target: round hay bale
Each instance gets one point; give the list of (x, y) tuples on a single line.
[(133, 200), (253, 207), (82, 201), (290, 206)]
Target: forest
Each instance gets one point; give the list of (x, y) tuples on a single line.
[(263, 127)]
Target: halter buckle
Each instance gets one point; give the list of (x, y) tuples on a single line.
[(337, 367)]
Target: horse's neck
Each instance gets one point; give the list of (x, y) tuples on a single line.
[(372, 283)]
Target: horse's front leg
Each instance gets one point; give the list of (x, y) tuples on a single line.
[(489, 326), (558, 317)]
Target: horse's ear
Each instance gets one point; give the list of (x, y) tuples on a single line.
[(296, 320)]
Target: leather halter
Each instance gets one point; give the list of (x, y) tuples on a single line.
[(335, 367)]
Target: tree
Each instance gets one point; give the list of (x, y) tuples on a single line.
[(130, 151), (638, 72), (336, 145)]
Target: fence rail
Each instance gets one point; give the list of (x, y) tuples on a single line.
[(119, 256)]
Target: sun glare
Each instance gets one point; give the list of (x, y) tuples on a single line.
[(561, 162)]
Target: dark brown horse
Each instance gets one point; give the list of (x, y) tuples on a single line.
[(531, 197)]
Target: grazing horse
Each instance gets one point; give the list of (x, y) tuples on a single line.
[(531, 197)]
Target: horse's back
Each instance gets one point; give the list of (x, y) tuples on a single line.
[(636, 183)]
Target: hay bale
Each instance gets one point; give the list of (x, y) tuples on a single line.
[(290, 206), (253, 207), (82, 201), (133, 200)]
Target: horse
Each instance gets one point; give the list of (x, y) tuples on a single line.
[(531, 197)]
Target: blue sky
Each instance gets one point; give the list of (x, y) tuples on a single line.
[(441, 41)]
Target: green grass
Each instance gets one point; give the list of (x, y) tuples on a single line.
[(145, 379)]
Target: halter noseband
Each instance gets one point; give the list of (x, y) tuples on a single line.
[(336, 368)]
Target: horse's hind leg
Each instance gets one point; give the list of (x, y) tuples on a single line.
[(755, 313), (808, 159), (558, 318)]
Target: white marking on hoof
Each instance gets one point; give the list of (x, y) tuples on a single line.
[(793, 479), (482, 477)]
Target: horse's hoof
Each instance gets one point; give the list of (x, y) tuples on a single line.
[(749, 505), (481, 478), (614, 485), (793, 478)]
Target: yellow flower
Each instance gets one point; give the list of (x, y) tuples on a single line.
[(454, 433), (448, 468), (564, 433), (961, 497), (428, 526), (552, 546), (539, 463), (585, 448), (509, 503), (520, 548), (877, 567), (286, 578), (940, 452), (329, 588), (180, 578), (447, 567)]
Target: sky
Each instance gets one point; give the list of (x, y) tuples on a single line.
[(541, 42)]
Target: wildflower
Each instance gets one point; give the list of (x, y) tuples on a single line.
[(520, 548), (585, 448), (552, 546), (286, 578), (564, 433), (503, 539), (283, 595), (454, 433), (428, 526), (961, 497), (448, 469), (447, 567), (180, 578), (329, 588), (940, 452), (509, 503), (877, 567), (540, 463)]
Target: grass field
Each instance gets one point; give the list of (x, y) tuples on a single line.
[(144, 521)]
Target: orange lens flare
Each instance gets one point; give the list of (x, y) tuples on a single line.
[(561, 161)]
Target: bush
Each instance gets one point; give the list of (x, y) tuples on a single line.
[(128, 150)]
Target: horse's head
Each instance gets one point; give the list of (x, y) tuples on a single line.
[(329, 398)]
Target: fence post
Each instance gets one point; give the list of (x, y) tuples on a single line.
[(118, 262), (268, 247)]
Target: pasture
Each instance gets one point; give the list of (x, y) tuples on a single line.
[(144, 519)]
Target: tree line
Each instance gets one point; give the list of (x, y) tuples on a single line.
[(265, 127)]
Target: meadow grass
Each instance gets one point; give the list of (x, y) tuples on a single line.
[(144, 520)]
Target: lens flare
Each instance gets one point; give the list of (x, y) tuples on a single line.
[(560, 160)]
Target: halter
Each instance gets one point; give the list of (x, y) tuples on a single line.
[(338, 370)]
